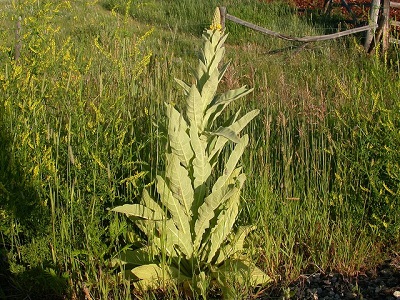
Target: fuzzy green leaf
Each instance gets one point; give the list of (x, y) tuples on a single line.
[(242, 272), (184, 85), (201, 166), (159, 213), (137, 211), (177, 211), (180, 184), (209, 88), (235, 127), (194, 107), (231, 163), (172, 240), (179, 140), (225, 220), (223, 70), (232, 95), (219, 103), (150, 272), (213, 66), (235, 245), (137, 257), (227, 133), (212, 202), (206, 213), (208, 52)]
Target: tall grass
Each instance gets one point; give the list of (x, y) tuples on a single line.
[(81, 119)]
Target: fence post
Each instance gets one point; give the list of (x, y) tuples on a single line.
[(374, 13), (222, 12), (386, 25)]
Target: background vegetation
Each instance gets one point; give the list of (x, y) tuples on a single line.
[(81, 131)]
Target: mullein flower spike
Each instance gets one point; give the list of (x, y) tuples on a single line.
[(216, 24)]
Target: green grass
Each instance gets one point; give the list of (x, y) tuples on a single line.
[(82, 117)]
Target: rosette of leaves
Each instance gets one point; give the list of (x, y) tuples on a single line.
[(191, 239)]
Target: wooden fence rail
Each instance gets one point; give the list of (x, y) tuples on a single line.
[(376, 30), (305, 39)]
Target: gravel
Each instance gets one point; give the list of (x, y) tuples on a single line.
[(383, 283)]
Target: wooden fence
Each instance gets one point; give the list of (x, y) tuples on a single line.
[(380, 16), (377, 30)]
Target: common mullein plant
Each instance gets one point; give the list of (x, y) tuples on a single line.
[(191, 241)]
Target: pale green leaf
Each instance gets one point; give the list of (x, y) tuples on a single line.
[(137, 257), (174, 207), (172, 240), (232, 162), (242, 272), (209, 88), (213, 66), (184, 85), (150, 272), (180, 183), (215, 38), (227, 133), (159, 213), (206, 211), (208, 52), (225, 220), (232, 95), (201, 166), (201, 69), (222, 40), (236, 127), (179, 140), (219, 103), (137, 211), (194, 108), (223, 70), (235, 245)]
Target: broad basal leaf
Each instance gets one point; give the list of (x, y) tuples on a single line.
[(180, 184), (138, 211), (243, 272), (235, 245), (175, 208), (171, 240), (159, 213), (137, 257), (150, 276), (207, 212), (225, 220)]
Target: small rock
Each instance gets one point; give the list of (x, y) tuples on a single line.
[(396, 294), (350, 295)]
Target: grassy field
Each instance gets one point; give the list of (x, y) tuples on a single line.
[(82, 130)]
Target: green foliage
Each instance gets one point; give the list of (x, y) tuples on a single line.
[(368, 163), (68, 148), (189, 228)]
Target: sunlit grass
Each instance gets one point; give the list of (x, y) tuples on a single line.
[(82, 121)]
